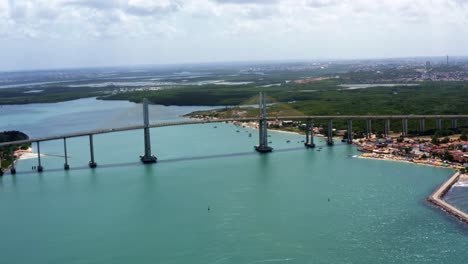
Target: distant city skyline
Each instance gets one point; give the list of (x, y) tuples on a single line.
[(48, 34)]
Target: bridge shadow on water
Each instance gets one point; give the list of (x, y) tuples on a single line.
[(173, 160)]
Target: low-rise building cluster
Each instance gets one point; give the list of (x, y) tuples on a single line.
[(453, 153)]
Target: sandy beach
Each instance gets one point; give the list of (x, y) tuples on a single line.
[(389, 157)]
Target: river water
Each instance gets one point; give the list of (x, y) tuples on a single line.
[(211, 198)]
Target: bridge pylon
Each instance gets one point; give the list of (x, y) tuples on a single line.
[(454, 123), (148, 157), (310, 134), (404, 129), (66, 166), (13, 168), (263, 126), (422, 126), (368, 128), (439, 124), (330, 133), (92, 163), (350, 132), (387, 127), (39, 166)]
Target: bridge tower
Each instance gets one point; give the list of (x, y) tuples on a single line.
[(92, 163), (147, 158), (310, 134), (66, 166), (350, 131), (39, 166), (13, 168), (330, 133), (263, 126)]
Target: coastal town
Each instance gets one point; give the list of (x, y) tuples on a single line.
[(452, 154), (450, 151)]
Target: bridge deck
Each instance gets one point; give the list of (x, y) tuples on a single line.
[(256, 118)]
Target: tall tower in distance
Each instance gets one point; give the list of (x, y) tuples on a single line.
[(447, 60)]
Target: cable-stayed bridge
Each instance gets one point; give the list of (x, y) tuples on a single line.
[(262, 120)]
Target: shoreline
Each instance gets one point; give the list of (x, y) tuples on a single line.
[(21, 155), (407, 161), (436, 198), (363, 155)]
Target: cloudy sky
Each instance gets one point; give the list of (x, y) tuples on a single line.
[(37, 34)]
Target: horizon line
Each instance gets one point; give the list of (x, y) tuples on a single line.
[(221, 62)]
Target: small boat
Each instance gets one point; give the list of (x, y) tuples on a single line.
[(287, 141)]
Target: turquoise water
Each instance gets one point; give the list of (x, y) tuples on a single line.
[(291, 206)]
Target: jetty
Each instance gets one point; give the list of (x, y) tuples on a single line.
[(437, 199)]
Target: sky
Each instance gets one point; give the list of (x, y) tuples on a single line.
[(44, 34)]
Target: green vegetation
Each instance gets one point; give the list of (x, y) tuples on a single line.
[(322, 98), (222, 95), (95, 85), (50, 94), (5, 153), (428, 98)]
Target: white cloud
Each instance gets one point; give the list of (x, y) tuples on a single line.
[(310, 28), (104, 17)]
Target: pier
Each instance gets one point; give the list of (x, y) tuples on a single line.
[(437, 199)]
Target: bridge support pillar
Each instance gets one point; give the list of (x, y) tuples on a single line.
[(368, 128), (330, 133), (65, 165), (310, 131), (13, 168), (422, 125), (148, 157), (404, 127), (39, 166), (263, 126), (350, 131), (439, 124), (92, 163), (454, 123), (387, 127)]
